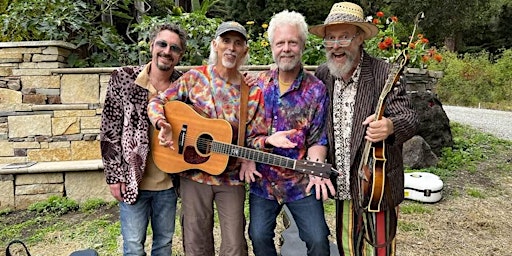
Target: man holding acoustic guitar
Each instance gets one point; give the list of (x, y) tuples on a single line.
[(187, 139), (369, 118)]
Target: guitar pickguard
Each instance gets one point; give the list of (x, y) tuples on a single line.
[(192, 157)]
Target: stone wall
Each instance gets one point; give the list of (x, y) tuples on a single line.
[(48, 114), (421, 80)]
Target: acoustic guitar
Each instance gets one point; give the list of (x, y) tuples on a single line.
[(205, 144)]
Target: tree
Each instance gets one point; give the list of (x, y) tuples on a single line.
[(261, 11), (446, 20)]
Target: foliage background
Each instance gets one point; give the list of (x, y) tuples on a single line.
[(474, 38)]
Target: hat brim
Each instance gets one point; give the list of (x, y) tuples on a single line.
[(370, 30)]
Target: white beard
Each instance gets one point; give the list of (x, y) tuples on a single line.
[(340, 70)]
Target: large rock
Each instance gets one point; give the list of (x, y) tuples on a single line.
[(434, 123), (418, 154)]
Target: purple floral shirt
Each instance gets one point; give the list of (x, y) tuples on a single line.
[(302, 107)]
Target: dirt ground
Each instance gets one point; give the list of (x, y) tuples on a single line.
[(473, 218)]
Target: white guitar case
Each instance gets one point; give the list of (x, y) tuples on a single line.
[(423, 187)]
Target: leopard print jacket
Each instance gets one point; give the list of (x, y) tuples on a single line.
[(124, 130)]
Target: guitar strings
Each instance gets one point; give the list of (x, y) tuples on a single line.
[(205, 146)]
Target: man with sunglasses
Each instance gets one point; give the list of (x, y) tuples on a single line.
[(354, 81), (214, 90), (144, 191)]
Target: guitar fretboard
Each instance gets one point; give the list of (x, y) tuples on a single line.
[(252, 154)]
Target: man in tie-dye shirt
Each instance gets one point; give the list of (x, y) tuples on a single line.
[(295, 105), (214, 91)]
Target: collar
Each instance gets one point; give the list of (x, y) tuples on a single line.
[(142, 79), (274, 76)]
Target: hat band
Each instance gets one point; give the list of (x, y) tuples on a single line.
[(342, 17)]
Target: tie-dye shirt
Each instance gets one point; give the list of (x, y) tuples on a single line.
[(302, 107), (213, 97)]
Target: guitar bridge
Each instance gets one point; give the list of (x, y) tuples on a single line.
[(181, 139)]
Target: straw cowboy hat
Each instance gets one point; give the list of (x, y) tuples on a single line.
[(346, 13)]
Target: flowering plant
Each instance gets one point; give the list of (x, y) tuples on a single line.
[(260, 53), (387, 44)]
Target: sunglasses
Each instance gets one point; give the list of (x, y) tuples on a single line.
[(174, 48)]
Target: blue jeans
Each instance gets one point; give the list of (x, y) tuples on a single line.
[(160, 208), (308, 213)]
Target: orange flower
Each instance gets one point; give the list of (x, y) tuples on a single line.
[(382, 46), (388, 41), (438, 57), (389, 45)]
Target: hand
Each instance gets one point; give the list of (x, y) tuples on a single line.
[(249, 79), (281, 139), (378, 130), (321, 186), (248, 171), (165, 135), (118, 190)]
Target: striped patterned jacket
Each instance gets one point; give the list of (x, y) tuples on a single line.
[(398, 108)]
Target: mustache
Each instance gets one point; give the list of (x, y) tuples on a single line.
[(232, 53), (286, 55), (169, 56)]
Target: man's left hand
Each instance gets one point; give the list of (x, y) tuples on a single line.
[(378, 130), (322, 187)]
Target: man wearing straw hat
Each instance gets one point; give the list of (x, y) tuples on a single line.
[(354, 81)]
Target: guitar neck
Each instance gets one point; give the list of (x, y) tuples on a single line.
[(253, 154)]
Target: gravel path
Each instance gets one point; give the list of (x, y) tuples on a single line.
[(492, 121)]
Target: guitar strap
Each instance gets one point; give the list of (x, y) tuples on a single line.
[(244, 95)]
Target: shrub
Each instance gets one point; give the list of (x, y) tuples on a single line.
[(261, 52), (473, 80), (71, 21), (200, 30)]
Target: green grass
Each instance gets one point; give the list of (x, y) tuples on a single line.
[(405, 226), (470, 148), (411, 208), (477, 193)]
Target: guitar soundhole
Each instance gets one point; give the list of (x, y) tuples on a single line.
[(204, 144)]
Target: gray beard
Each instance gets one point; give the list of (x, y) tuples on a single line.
[(337, 70), (340, 70)]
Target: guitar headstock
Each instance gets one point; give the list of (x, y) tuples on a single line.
[(323, 170)]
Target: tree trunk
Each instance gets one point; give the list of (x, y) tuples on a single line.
[(449, 43)]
